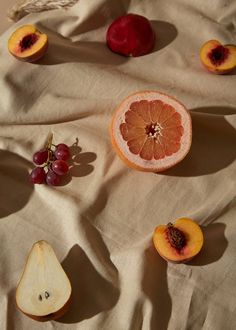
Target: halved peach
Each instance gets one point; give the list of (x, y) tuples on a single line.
[(217, 58), (178, 242), (27, 43)]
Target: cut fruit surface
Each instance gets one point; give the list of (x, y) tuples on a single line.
[(178, 242), (151, 131), (44, 290), (217, 58), (27, 43)]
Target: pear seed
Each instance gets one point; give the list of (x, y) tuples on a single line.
[(47, 295)]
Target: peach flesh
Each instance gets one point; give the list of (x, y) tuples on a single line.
[(27, 43), (180, 242), (218, 58)]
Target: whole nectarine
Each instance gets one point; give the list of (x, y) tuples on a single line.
[(131, 35)]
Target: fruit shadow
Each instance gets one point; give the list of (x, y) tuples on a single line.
[(15, 186), (11, 310), (62, 50), (215, 244), (213, 144), (79, 164), (155, 286), (91, 292), (165, 34)]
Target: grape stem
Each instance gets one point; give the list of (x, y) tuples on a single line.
[(49, 141), (48, 147)]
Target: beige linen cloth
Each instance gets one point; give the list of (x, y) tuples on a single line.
[(100, 221)]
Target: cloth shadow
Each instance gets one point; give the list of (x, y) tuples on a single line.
[(79, 164), (15, 186), (17, 89), (137, 318), (215, 244), (165, 34), (213, 144), (100, 15), (91, 293), (155, 286)]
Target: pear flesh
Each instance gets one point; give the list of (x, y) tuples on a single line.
[(44, 290)]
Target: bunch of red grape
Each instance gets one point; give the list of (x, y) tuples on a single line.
[(51, 164)]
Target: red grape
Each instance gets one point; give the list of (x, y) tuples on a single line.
[(62, 146), (60, 167), (52, 178), (62, 153), (37, 175), (40, 157)]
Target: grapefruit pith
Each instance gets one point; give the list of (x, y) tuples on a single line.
[(151, 131)]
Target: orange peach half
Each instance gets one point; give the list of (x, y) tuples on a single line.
[(27, 43), (178, 242), (218, 58)]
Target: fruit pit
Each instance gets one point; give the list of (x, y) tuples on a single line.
[(175, 237), (28, 41), (218, 55)]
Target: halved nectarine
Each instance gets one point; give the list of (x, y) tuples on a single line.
[(178, 242), (27, 43), (217, 58)]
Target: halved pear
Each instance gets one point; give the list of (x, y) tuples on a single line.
[(44, 291)]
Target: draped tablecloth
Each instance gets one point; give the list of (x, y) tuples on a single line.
[(101, 219)]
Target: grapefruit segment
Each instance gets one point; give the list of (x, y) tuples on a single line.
[(155, 110), (172, 121), (158, 150), (136, 144), (172, 133), (170, 146), (166, 113), (129, 132), (142, 109), (134, 119), (147, 149), (151, 131)]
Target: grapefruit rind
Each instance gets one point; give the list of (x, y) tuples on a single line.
[(135, 161)]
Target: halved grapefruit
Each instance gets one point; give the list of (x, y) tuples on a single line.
[(151, 131)]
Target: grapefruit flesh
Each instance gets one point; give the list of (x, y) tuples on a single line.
[(151, 131)]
